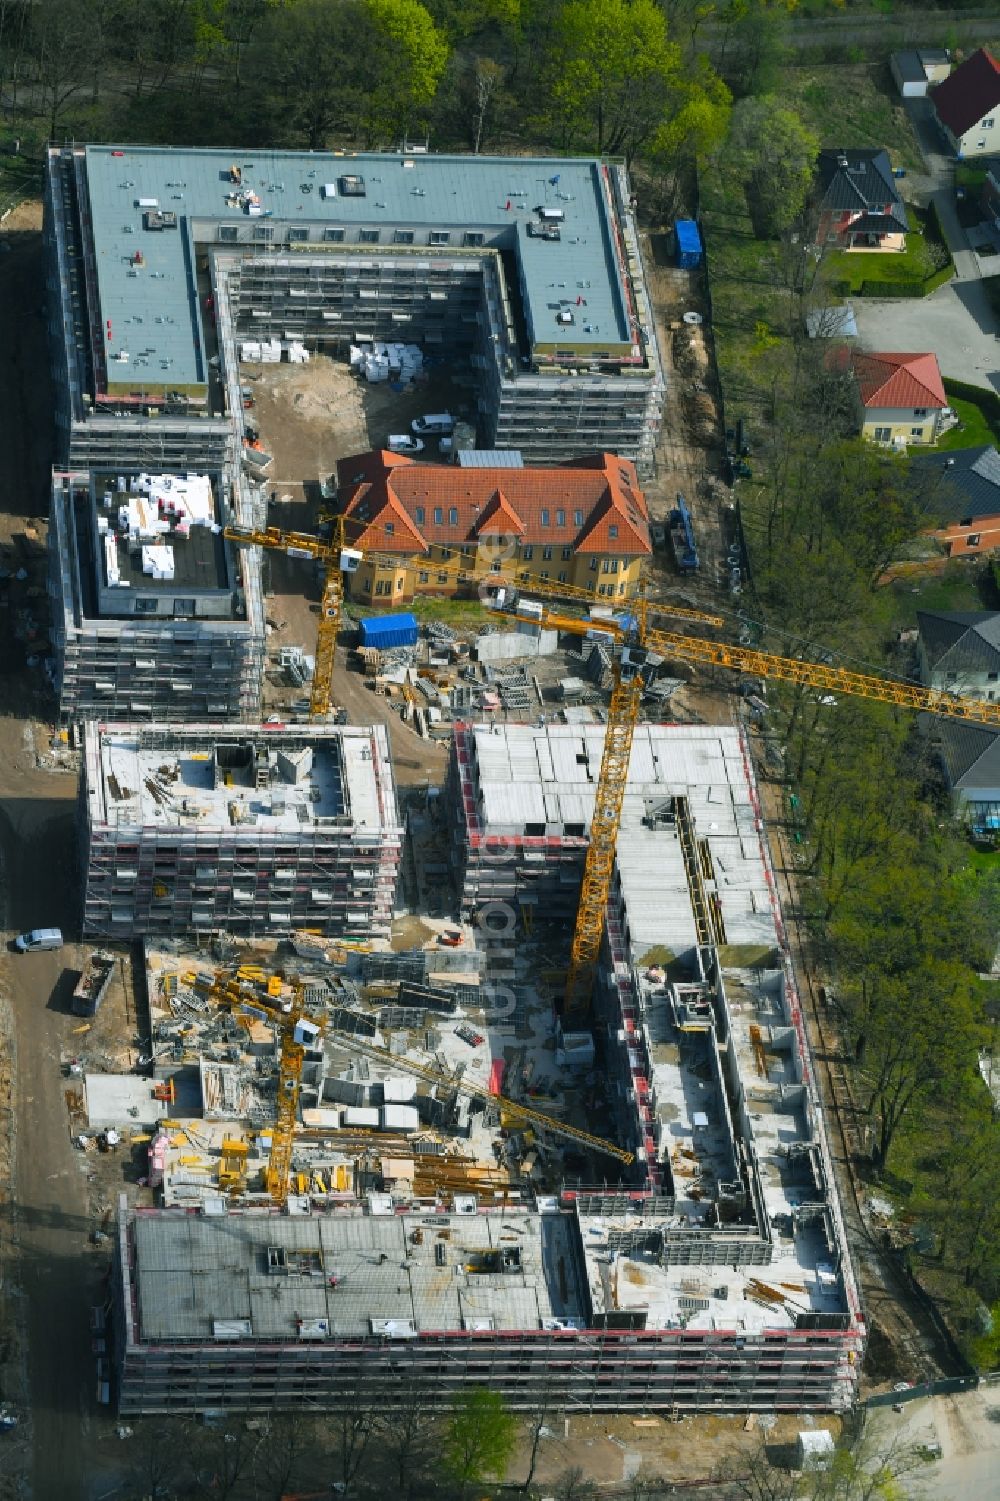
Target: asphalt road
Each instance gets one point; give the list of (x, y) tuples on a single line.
[(50, 1219)]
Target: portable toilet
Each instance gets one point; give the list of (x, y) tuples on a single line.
[(688, 240)]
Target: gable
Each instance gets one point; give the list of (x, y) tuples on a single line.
[(972, 91)]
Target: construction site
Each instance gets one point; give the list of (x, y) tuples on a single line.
[(251, 829), (631, 1207)]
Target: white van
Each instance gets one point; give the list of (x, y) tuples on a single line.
[(436, 424), (39, 938)]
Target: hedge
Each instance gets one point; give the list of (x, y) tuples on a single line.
[(987, 401), (908, 288)]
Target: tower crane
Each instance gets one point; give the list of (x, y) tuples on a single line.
[(339, 559), (639, 650), (283, 1007)]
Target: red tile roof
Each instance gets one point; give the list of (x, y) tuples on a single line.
[(593, 505), (971, 92), (898, 380)]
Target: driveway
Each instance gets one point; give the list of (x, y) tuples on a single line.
[(956, 322), (967, 1429)]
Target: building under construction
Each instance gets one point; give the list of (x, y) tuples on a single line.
[(697, 1261), (155, 615), (246, 828), (164, 262)]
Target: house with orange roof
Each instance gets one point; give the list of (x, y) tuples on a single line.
[(902, 397), (583, 523)]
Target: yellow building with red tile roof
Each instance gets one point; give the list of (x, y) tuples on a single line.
[(583, 523)]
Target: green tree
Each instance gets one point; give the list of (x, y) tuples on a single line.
[(402, 60), (773, 153), (616, 79), (478, 1438)]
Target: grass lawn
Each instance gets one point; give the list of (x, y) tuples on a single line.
[(854, 104), (974, 427), (957, 587), (460, 613), (857, 266)]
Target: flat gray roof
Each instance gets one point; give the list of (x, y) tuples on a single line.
[(152, 309), (199, 1279)]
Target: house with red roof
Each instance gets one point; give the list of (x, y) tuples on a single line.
[(902, 397), (967, 106), (583, 523)]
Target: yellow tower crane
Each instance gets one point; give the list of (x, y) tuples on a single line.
[(339, 558), (636, 658), (283, 1007)]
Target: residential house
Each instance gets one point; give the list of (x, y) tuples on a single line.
[(917, 70), (959, 652), (583, 523), (962, 489), (859, 204), (902, 397), (967, 105)]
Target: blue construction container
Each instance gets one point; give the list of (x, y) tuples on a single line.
[(688, 241), (384, 632)]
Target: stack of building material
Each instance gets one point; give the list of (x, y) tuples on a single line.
[(158, 562), (250, 351), (270, 352), (298, 354)]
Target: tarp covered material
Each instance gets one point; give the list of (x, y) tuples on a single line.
[(383, 632), (497, 1069), (688, 242)]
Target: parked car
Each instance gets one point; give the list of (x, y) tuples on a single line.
[(403, 443), (434, 424), (39, 938)]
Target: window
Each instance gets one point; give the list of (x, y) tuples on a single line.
[(577, 518), (453, 515), (602, 588), (403, 237), (965, 521), (545, 517), (423, 576), (606, 566), (546, 555), (333, 236), (993, 677), (562, 576), (560, 518), (972, 540), (527, 553), (567, 553), (368, 236), (473, 237), (545, 573), (612, 531), (621, 588), (593, 566), (297, 234), (438, 237), (438, 516), (145, 606), (418, 513), (883, 434), (383, 586), (228, 232), (988, 124), (390, 527), (263, 231), (442, 578), (183, 606), (399, 583), (920, 411), (590, 585), (916, 432)]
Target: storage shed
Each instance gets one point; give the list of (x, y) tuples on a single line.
[(383, 632), (688, 240)]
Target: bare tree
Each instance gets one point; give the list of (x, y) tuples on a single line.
[(487, 77)]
